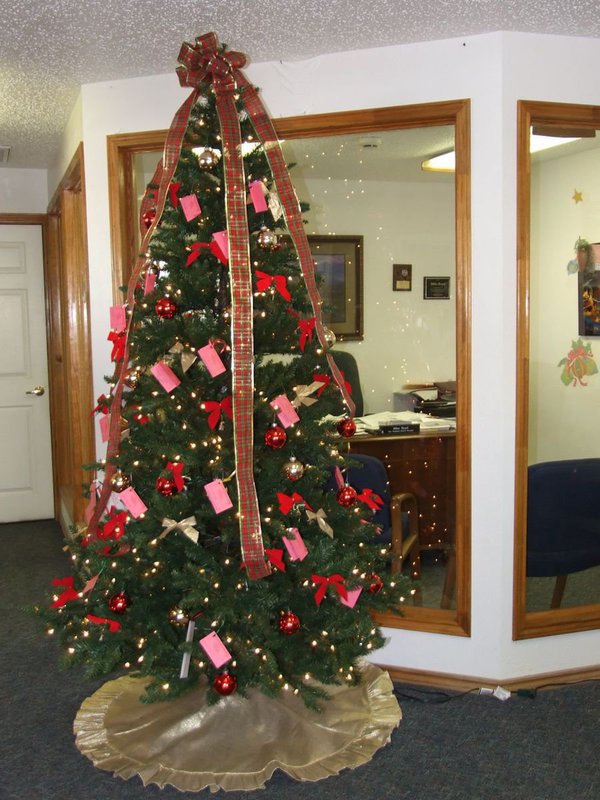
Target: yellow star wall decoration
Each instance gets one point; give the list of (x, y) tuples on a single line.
[(578, 196)]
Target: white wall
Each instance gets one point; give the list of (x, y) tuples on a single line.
[(562, 418), (494, 71), (23, 191)]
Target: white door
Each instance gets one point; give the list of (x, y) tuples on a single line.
[(26, 458)]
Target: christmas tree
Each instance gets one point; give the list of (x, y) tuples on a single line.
[(213, 550)]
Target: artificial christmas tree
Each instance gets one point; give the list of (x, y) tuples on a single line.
[(213, 554)]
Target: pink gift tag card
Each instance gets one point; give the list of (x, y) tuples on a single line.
[(190, 206), (222, 240), (339, 478), (352, 597), (118, 318), (295, 546), (149, 282), (133, 502), (285, 411), (218, 496), (215, 649), (257, 194), (212, 360), (165, 376), (104, 427)]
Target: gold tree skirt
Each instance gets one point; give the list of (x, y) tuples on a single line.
[(238, 743)]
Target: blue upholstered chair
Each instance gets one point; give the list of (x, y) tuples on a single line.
[(563, 520), (398, 517)]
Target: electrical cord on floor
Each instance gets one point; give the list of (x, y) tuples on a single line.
[(421, 695)]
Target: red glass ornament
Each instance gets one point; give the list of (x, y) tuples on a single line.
[(166, 308), (346, 496), (346, 427), (119, 603), (289, 623), (275, 437), (139, 416), (148, 217), (165, 486), (225, 683), (376, 584)]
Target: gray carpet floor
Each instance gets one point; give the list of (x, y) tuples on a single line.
[(464, 748)]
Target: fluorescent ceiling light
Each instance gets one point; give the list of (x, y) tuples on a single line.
[(444, 162)]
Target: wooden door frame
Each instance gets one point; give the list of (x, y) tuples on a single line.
[(68, 329)]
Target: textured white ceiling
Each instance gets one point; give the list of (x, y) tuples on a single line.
[(48, 48)]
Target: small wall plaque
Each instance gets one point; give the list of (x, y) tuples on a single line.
[(402, 277), (436, 288)]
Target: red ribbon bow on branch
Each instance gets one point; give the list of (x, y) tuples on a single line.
[(113, 625), (204, 62), (337, 581), (102, 405), (264, 280), (307, 327), (370, 498), (275, 556), (118, 348), (288, 501), (326, 380), (215, 408), (114, 527), (177, 470), (213, 247), (68, 594)]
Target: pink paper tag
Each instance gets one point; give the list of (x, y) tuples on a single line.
[(339, 478), (165, 376), (218, 496), (222, 241), (118, 318), (212, 360), (285, 411), (133, 502), (104, 426), (257, 195), (191, 207), (295, 545), (215, 649), (350, 600), (149, 281)]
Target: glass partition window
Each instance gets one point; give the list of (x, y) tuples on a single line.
[(557, 571)]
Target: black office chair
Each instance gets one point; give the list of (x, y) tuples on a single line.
[(398, 517), (563, 521), (346, 363)]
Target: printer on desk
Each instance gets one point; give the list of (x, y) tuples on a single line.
[(435, 399)]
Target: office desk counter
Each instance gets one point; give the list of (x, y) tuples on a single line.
[(424, 464)]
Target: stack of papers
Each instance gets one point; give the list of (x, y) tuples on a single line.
[(372, 422)]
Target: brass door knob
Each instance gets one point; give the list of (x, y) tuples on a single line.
[(38, 391)]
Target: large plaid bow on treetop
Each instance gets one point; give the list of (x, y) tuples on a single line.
[(204, 62)]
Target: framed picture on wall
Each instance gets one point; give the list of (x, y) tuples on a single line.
[(339, 265), (436, 288)]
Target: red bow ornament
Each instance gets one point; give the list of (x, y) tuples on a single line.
[(177, 471), (264, 281), (212, 247), (307, 327), (68, 594), (288, 501), (113, 625), (275, 556), (114, 527), (173, 189), (371, 499), (325, 380), (215, 408), (323, 581), (118, 345)]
